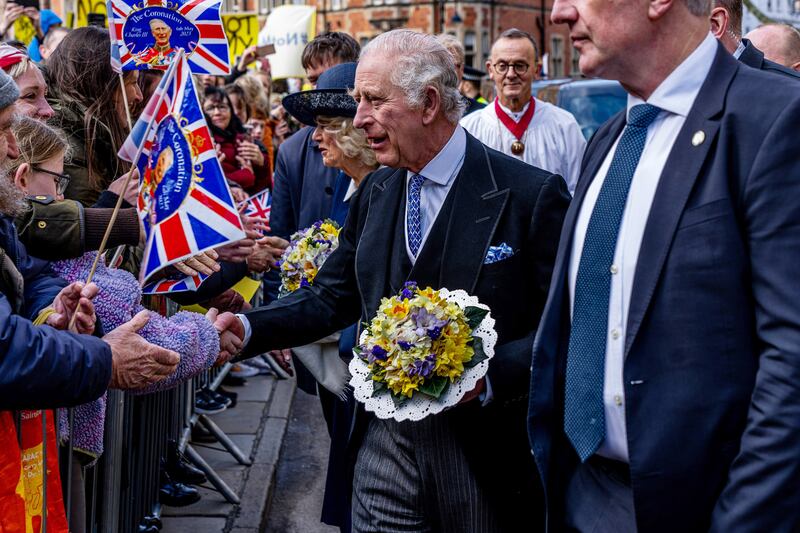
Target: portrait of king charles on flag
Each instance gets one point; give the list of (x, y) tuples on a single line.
[(161, 52)]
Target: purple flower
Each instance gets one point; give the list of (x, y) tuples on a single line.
[(428, 324), (409, 288), (304, 283), (376, 353), (423, 367), (406, 346)]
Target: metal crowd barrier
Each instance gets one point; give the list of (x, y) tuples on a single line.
[(122, 487)]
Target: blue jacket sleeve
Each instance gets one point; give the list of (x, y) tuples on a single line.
[(42, 368)]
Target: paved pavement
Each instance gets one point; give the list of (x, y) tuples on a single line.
[(258, 426), (300, 480)]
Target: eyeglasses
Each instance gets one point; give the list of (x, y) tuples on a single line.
[(217, 107), (501, 67), (62, 180)]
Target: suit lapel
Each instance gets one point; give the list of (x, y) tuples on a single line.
[(675, 185), (476, 211), (374, 246)]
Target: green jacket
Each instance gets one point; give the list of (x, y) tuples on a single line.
[(64, 230)]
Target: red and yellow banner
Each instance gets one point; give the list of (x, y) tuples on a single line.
[(22, 476)]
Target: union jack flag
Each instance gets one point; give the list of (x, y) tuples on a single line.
[(259, 205), (193, 26), (184, 201)]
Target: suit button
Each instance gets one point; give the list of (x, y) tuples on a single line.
[(42, 224), (615, 334), (617, 400), (613, 269)]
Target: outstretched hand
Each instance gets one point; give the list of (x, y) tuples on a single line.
[(74, 298), (135, 362)]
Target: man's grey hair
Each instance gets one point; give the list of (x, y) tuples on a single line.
[(699, 7), (515, 33), (419, 61), (453, 46)]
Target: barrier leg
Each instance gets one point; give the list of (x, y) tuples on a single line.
[(224, 440), (212, 476)]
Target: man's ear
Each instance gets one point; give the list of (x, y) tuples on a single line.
[(719, 21), (659, 8), (431, 105), (21, 177), (489, 69)]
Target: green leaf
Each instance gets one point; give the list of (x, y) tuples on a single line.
[(378, 387), (479, 355), (357, 350), (475, 316), (434, 386), (398, 399)]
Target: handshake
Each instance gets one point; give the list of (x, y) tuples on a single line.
[(231, 334)]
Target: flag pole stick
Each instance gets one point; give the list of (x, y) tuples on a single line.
[(124, 188), (125, 101)]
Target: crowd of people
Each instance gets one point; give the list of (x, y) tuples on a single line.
[(647, 373)]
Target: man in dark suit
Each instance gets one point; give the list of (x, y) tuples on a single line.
[(726, 25), (665, 391), (432, 217)]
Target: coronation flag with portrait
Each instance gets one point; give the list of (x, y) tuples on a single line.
[(184, 201), (151, 33)]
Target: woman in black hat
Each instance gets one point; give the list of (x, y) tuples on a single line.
[(330, 109)]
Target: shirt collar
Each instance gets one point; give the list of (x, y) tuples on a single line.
[(739, 50), (351, 189), (442, 168), (677, 92)]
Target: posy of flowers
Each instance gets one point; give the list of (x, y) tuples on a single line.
[(419, 342), (307, 251)]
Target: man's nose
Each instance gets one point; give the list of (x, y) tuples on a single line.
[(359, 121), (563, 12)]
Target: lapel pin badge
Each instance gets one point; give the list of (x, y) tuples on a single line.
[(698, 138)]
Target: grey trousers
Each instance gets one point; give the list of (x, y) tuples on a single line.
[(413, 476), (598, 500)]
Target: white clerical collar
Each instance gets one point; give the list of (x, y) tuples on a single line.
[(739, 50), (442, 168), (515, 115), (677, 93)]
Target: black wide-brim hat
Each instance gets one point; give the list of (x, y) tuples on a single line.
[(331, 97)]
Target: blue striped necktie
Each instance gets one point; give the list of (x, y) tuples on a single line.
[(414, 220), (584, 412)]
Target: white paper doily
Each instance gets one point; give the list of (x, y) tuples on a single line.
[(420, 405)]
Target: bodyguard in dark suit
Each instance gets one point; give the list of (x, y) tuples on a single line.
[(726, 25), (665, 391), (432, 218)]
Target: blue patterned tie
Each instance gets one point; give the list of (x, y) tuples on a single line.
[(584, 414), (414, 222)]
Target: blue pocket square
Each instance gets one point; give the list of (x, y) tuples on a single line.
[(498, 253)]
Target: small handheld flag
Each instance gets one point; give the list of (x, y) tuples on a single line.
[(259, 205), (184, 201)]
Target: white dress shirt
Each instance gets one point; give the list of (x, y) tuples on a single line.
[(439, 174), (553, 140), (675, 96)]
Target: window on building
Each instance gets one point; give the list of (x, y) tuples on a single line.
[(336, 5), (557, 57), (377, 2), (469, 48), (486, 48), (576, 58)]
